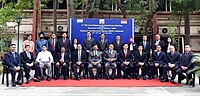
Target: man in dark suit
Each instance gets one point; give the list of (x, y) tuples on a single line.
[(12, 60), (132, 45), (141, 62), (64, 42), (158, 42), (118, 45), (62, 60), (110, 57), (126, 60), (146, 45), (102, 43), (79, 59), (158, 61), (88, 44), (173, 58), (27, 60), (185, 64), (95, 59), (52, 42)]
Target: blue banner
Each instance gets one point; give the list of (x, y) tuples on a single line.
[(110, 27)]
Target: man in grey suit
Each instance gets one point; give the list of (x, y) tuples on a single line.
[(95, 59), (110, 58)]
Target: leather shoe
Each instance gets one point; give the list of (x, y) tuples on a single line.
[(128, 77), (138, 77), (144, 77), (42, 78), (13, 84), (48, 78), (18, 83), (36, 80), (172, 81), (107, 78), (97, 78), (164, 80)]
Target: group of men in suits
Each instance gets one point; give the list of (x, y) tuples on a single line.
[(118, 56)]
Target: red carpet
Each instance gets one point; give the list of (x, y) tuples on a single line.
[(101, 83)]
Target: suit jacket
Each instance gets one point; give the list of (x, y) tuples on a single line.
[(108, 55), (93, 58), (128, 58), (75, 56), (10, 61), (134, 45), (173, 58), (147, 48), (161, 43), (166, 47), (161, 58), (60, 44), (50, 45), (103, 46), (58, 57), (24, 58), (119, 46), (73, 48), (88, 45), (185, 60), (140, 58)]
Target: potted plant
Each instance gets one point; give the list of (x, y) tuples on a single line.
[(196, 61)]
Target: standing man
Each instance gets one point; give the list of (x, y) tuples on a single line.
[(173, 58), (158, 42), (79, 59), (185, 64), (141, 62), (62, 61), (118, 45), (132, 45), (146, 45), (45, 58), (27, 60), (126, 58), (64, 42), (12, 60), (95, 59), (52, 42), (41, 41), (88, 44), (110, 58), (158, 61)]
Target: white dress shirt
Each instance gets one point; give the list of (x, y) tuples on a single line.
[(44, 57)]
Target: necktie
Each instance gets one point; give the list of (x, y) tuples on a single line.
[(144, 44), (79, 56), (62, 57), (95, 54), (52, 45), (14, 55), (125, 53), (110, 52), (28, 54)]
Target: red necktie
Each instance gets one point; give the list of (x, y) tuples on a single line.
[(52, 45)]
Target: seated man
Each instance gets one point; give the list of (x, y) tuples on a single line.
[(185, 64), (126, 60), (27, 60), (12, 60), (110, 58), (79, 59), (158, 61), (95, 59), (45, 58), (141, 61), (172, 64), (62, 60)]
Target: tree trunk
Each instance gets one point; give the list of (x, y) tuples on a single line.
[(148, 21), (187, 28), (119, 4), (179, 31), (55, 16)]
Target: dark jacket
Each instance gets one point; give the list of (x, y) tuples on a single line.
[(128, 58), (185, 60), (119, 46), (140, 58), (102, 46), (60, 44), (66, 57), (10, 61), (75, 56), (161, 59), (88, 45), (173, 58), (24, 58)]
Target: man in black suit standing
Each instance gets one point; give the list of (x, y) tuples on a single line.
[(185, 64), (158, 42), (118, 45), (173, 58), (52, 42), (146, 45), (141, 62), (88, 44), (27, 60), (12, 60), (79, 59), (110, 57), (158, 61), (64, 42), (126, 60), (132, 45), (62, 60), (95, 59)]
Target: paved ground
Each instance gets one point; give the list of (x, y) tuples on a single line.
[(100, 91)]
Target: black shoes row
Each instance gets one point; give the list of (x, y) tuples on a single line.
[(14, 83)]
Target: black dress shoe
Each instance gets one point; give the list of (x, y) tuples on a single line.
[(164, 80), (112, 78), (144, 77), (48, 78), (13, 84), (137, 77), (172, 81), (92, 77), (65, 77), (42, 78), (107, 78), (18, 83), (36, 80), (128, 77), (97, 78)]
